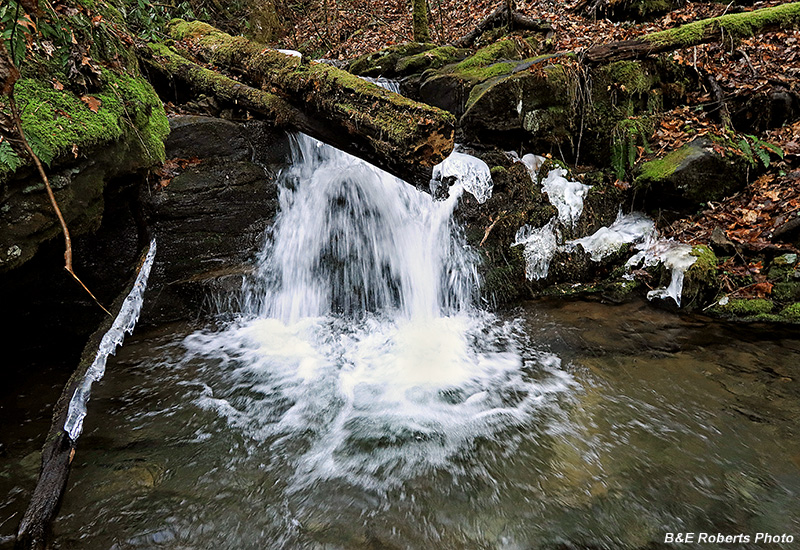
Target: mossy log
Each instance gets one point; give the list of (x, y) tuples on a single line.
[(277, 110), (732, 26), (404, 132)]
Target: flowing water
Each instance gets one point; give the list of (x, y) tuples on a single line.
[(357, 398)]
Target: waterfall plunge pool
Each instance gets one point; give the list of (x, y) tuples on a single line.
[(636, 423), (356, 398)]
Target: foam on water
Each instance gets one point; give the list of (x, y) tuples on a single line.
[(359, 356)]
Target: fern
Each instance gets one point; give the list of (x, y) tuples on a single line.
[(9, 160)]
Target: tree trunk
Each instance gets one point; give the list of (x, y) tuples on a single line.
[(419, 11), (504, 15), (732, 26), (405, 132), (164, 60)]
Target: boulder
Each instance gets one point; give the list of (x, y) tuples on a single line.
[(691, 176)]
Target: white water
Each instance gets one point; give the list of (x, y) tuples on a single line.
[(123, 324), (359, 356)]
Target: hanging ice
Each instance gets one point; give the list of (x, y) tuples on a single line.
[(675, 256), (626, 229), (124, 323), (471, 173), (533, 162), (540, 245), (567, 196)]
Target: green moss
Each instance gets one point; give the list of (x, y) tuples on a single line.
[(498, 171), (629, 74), (386, 61), (791, 312), (786, 292), (745, 308), (660, 169), (55, 121), (430, 59), (500, 50), (735, 25)]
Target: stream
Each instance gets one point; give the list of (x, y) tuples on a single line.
[(353, 395)]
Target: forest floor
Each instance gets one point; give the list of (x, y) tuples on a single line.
[(757, 65)]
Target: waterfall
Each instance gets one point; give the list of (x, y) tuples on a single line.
[(359, 356), (351, 239)]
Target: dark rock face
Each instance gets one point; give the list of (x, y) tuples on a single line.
[(209, 221), (27, 219)]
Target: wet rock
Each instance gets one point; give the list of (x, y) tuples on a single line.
[(206, 137), (27, 219), (384, 62), (209, 220), (689, 177)]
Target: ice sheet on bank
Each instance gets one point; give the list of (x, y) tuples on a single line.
[(626, 229), (124, 323), (540, 244), (472, 173)]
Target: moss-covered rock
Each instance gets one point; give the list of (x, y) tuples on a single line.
[(744, 308), (690, 176), (449, 88), (700, 282), (429, 59), (385, 62)]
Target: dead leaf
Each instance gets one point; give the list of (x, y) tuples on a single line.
[(57, 85), (92, 102)]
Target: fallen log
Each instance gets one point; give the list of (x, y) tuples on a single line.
[(731, 26), (498, 18), (59, 447), (404, 132), (165, 60)]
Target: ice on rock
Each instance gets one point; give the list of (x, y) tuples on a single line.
[(471, 173), (533, 162), (674, 255), (567, 196), (626, 229), (123, 323), (540, 245)]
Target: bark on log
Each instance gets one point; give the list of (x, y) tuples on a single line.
[(732, 26), (174, 66), (405, 131), (498, 18), (59, 448)]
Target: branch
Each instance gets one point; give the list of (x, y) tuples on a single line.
[(735, 25)]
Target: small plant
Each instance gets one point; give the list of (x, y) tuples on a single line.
[(15, 30), (754, 148), (9, 160)]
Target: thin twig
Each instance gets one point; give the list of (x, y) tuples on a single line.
[(51, 195)]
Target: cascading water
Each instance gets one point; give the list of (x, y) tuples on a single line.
[(359, 356)]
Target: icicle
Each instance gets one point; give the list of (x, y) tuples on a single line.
[(124, 323)]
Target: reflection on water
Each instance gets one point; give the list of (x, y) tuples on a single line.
[(628, 423)]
